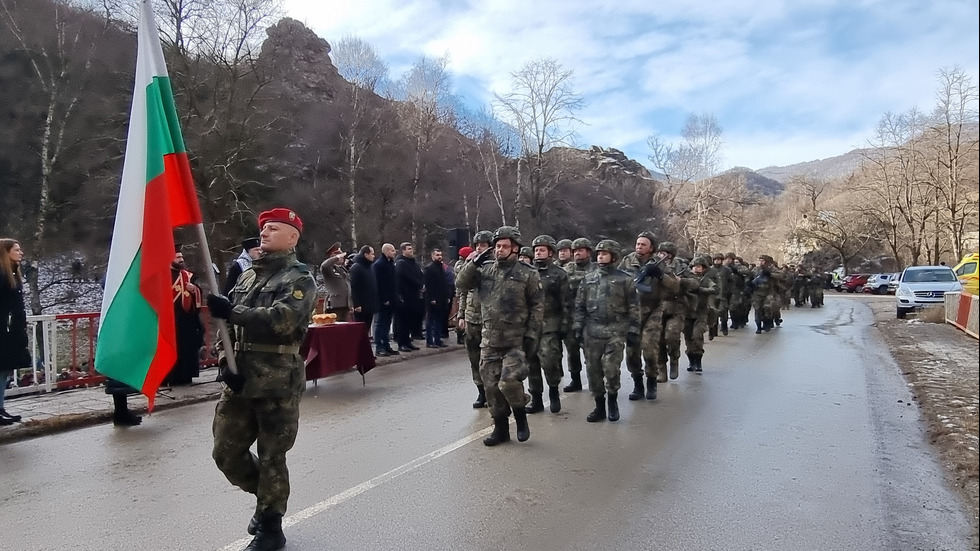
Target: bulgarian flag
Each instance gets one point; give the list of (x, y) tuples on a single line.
[(137, 338)]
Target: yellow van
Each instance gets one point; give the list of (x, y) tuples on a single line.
[(968, 273)]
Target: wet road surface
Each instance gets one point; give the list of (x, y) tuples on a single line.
[(803, 438)]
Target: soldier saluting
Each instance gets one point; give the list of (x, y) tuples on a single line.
[(270, 309), (511, 308)]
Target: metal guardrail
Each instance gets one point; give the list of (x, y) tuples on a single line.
[(62, 350), (962, 312)]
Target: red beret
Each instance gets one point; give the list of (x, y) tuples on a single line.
[(465, 251), (285, 216)]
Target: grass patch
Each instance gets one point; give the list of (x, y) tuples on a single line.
[(933, 314)]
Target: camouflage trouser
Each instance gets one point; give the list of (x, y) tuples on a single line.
[(603, 360), (661, 339), (645, 351), (694, 329), (766, 307), (574, 354), (799, 296), (474, 336), (503, 371), (816, 296), (272, 424), (739, 307), (548, 359)]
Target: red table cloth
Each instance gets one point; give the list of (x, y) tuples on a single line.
[(337, 347)]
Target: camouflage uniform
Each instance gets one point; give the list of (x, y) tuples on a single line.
[(800, 280), (741, 301), (719, 315), (696, 322), (576, 273), (606, 315), (765, 297), (511, 308), (814, 289), (632, 264), (555, 324), (469, 305), (273, 301)]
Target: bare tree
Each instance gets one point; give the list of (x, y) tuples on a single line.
[(542, 106), (495, 143), (426, 89), (360, 65)]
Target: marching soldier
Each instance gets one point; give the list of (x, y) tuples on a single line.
[(632, 264), (674, 305), (605, 311), (511, 305), (470, 321), (270, 308), (814, 288), (564, 252), (555, 324), (764, 294), (741, 296), (577, 269), (723, 277), (697, 317)]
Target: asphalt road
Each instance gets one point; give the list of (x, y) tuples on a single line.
[(800, 439)]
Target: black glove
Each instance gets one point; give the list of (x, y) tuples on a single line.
[(234, 381), (482, 258), (632, 339), (220, 306), (652, 269), (579, 336)]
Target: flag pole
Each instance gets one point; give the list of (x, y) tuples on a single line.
[(213, 284)]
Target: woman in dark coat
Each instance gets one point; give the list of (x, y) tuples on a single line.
[(13, 320)]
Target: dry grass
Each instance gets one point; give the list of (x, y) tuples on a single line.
[(933, 314)]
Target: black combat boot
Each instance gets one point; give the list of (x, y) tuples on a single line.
[(637, 388), (690, 362), (674, 365), (712, 332), (554, 399), (758, 327), (523, 431), (268, 535), (599, 413), (253, 523), (9, 417), (576, 384), (651, 388), (536, 403), (121, 416), (697, 362), (724, 328), (501, 432), (481, 398), (612, 399)]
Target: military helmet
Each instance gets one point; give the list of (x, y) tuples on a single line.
[(507, 232), (668, 247), (582, 243), (649, 236), (702, 260), (718, 256), (564, 244), (483, 236), (527, 251), (546, 240), (609, 246)]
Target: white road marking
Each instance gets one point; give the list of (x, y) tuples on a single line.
[(322, 506)]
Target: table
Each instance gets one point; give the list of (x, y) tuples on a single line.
[(337, 347)]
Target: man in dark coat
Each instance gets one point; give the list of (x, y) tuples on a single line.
[(363, 287), (384, 275), (187, 321), (411, 305), (437, 300)]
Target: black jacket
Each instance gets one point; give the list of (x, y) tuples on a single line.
[(384, 275), (13, 327), (436, 288), (363, 286), (409, 282)]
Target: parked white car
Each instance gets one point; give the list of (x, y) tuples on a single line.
[(921, 286), (877, 284)]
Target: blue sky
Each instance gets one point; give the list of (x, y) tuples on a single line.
[(788, 81)]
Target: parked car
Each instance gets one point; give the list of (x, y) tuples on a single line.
[(854, 282), (893, 282), (921, 286), (968, 273), (877, 284)]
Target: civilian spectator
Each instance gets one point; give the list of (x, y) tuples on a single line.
[(363, 287), (13, 328), (384, 275), (411, 301), (437, 299)]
